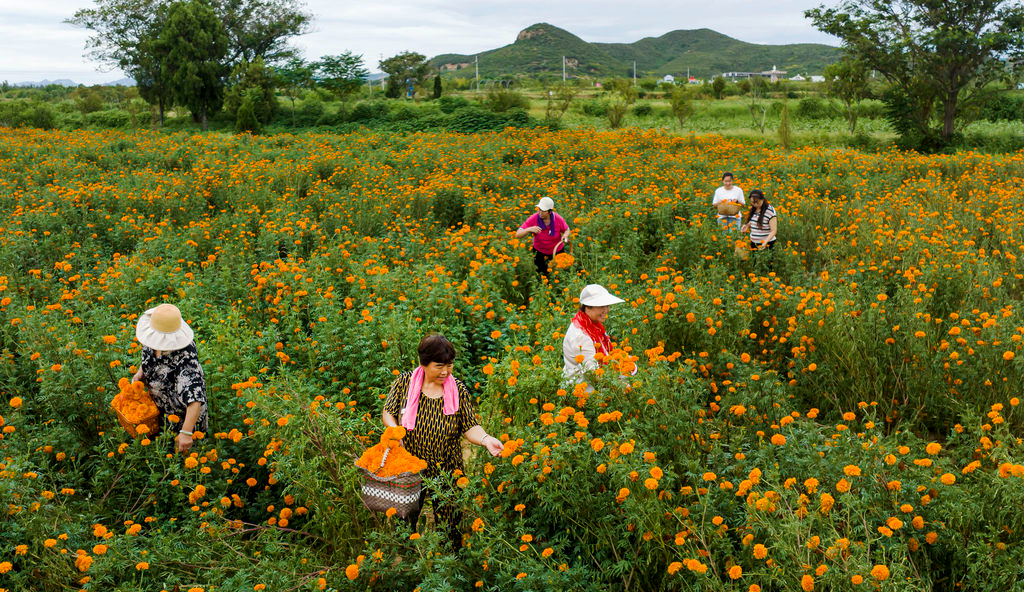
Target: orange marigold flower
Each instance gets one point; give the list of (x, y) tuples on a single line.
[(807, 583), (880, 573), (352, 571), (735, 572)]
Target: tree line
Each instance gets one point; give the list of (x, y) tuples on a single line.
[(232, 54)]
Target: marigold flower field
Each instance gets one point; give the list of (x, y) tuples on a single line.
[(844, 419)]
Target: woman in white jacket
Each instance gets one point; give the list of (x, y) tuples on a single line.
[(586, 334)]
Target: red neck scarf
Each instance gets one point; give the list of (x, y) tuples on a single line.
[(596, 332)]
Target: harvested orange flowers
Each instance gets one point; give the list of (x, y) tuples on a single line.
[(135, 404), (389, 453)]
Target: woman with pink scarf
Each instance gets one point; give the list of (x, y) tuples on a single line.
[(436, 410), (586, 334)]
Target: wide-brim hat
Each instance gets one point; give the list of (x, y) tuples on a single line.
[(162, 328), (595, 295), (546, 204)]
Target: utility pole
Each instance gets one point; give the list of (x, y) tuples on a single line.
[(563, 70), (476, 62), (634, 72)]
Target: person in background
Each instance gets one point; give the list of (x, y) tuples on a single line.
[(437, 411), (550, 233), (170, 369), (728, 193), (762, 223), (586, 334)]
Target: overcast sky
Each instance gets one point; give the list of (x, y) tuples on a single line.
[(36, 44)]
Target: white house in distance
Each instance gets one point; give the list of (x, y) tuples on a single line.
[(797, 78), (772, 75), (669, 78)]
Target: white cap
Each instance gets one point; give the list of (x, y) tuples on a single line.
[(595, 295), (546, 204)]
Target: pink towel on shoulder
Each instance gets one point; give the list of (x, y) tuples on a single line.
[(449, 396)]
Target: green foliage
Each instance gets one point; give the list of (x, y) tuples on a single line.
[(785, 129), (847, 80), (501, 99), (403, 69), (448, 104), (341, 74), (194, 43), (253, 82), (718, 87), (246, 119), (938, 62), (682, 107), (1004, 107), (437, 87)]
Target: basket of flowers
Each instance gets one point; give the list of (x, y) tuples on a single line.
[(135, 409), (390, 475), (728, 207)]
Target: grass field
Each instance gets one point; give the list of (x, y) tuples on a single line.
[(843, 416)]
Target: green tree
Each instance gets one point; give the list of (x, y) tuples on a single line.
[(194, 43), (125, 34), (847, 80), (682, 108), (404, 68), (718, 87), (255, 81), (261, 28), (437, 86), (938, 56), (785, 129), (340, 74), (294, 76), (246, 119)]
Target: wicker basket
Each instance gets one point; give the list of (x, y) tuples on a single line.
[(728, 208), (401, 492), (150, 421)]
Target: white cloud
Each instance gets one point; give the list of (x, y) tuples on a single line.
[(35, 43)]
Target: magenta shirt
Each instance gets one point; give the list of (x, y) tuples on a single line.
[(542, 241)]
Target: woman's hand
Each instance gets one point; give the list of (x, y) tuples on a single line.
[(533, 229), (138, 376), (183, 442), (493, 445), (745, 227)]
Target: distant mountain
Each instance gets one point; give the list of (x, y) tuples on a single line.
[(67, 82), (538, 49)]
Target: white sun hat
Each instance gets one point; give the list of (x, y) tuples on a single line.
[(162, 328), (546, 204), (595, 295)]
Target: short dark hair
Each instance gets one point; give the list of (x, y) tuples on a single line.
[(727, 174), (436, 348)]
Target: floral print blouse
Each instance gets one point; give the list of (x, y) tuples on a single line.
[(175, 379)]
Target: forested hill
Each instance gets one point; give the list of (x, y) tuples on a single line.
[(538, 49)]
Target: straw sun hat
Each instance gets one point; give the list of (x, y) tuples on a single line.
[(162, 328)]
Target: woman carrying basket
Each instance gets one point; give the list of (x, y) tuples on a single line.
[(170, 369), (728, 201), (436, 410), (550, 233)]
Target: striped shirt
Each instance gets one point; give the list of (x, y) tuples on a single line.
[(760, 231)]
